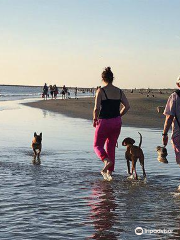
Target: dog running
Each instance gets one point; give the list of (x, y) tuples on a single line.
[(37, 145), (133, 153)]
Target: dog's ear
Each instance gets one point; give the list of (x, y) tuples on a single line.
[(128, 141), (158, 148), (124, 142), (35, 134), (41, 134)]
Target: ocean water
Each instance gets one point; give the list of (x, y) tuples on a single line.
[(8, 93), (65, 197)]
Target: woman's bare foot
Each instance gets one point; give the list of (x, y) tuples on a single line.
[(104, 174), (108, 164), (109, 175)]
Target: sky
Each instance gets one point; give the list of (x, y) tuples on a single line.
[(71, 42)]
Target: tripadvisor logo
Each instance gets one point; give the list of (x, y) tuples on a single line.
[(139, 231)]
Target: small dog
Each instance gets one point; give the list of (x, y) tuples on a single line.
[(162, 154), (133, 153), (37, 145)]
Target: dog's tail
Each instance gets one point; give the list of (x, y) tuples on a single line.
[(140, 140)]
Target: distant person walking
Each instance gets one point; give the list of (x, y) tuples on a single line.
[(75, 92), (51, 91), (172, 113), (55, 90), (107, 121), (67, 94), (45, 91), (63, 92)]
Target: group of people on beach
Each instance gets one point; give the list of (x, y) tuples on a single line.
[(107, 120), (53, 91)]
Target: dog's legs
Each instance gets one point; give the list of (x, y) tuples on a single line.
[(141, 160), (128, 163), (34, 160), (128, 167), (38, 155), (34, 153), (134, 160), (38, 161)]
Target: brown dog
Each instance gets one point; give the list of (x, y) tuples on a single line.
[(162, 154), (133, 153), (37, 145)]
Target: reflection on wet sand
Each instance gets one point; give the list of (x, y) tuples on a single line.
[(103, 210), (45, 113)]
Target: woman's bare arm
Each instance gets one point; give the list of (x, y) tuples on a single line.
[(167, 125), (96, 107), (125, 104)]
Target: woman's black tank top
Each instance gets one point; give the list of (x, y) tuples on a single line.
[(110, 108)]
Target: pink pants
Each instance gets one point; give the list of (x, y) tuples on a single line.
[(176, 146), (107, 131)]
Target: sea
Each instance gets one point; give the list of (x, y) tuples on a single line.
[(15, 92), (65, 197)]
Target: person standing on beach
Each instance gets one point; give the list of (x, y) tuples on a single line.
[(172, 113), (107, 121), (63, 92), (66, 93), (55, 89), (45, 91), (75, 92), (51, 91)]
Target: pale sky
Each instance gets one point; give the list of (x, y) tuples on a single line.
[(71, 41)]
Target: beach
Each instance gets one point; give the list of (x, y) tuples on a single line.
[(65, 196), (70, 171), (142, 113)]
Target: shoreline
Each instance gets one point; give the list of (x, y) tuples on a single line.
[(143, 110)]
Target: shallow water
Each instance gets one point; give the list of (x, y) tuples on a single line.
[(65, 197)]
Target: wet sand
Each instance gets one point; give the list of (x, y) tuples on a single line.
[(143, 111)]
